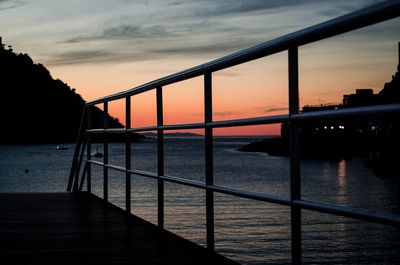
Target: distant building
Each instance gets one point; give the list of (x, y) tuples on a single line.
[(365, 96), (343, 132), (362, 97)]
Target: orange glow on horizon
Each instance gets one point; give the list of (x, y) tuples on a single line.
[(327, 70), (255, 89)]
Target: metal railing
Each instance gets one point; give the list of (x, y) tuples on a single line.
[(362, 18)]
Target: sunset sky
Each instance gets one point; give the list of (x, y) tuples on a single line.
[(102, 47)]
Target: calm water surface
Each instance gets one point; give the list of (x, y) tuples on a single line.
[(247, 231)]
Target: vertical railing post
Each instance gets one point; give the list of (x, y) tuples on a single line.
[(160, 156), (78, 154), (294, 149), (89, 148), (105, 150), (209, 167), (76, 178), (128, 151)]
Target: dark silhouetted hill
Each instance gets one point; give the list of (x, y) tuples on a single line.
[(35, 108)]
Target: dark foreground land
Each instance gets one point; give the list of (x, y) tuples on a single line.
[(79, 228)]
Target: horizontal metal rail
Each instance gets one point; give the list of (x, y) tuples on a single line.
[(355, 213), (359, 19), (348, 112), (351, 212), (300, 117), (122, 169)]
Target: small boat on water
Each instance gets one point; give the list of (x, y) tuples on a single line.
[(61, 148), (97, 153)]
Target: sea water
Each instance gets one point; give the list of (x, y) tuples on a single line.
[(247, 231)]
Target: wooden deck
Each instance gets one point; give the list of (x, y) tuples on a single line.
[(79, 228)]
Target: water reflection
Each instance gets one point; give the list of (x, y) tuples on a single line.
[(342, 197), (342, 174), (341, 180)]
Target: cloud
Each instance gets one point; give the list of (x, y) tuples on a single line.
[(9, 4), (75, 57), (150, 50), (125, 32), (227, 7), (338, 8), (129, 31), (275, 109), (125, 52), (194, 29), (203, 48), (137, 32), (123, 42), (175, 4), (189, 28), (96, 56), (224, 114)]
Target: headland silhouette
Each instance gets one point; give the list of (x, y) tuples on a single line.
[(342, 138), (37, 108)]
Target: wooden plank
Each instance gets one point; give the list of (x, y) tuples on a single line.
[(79, 228)]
